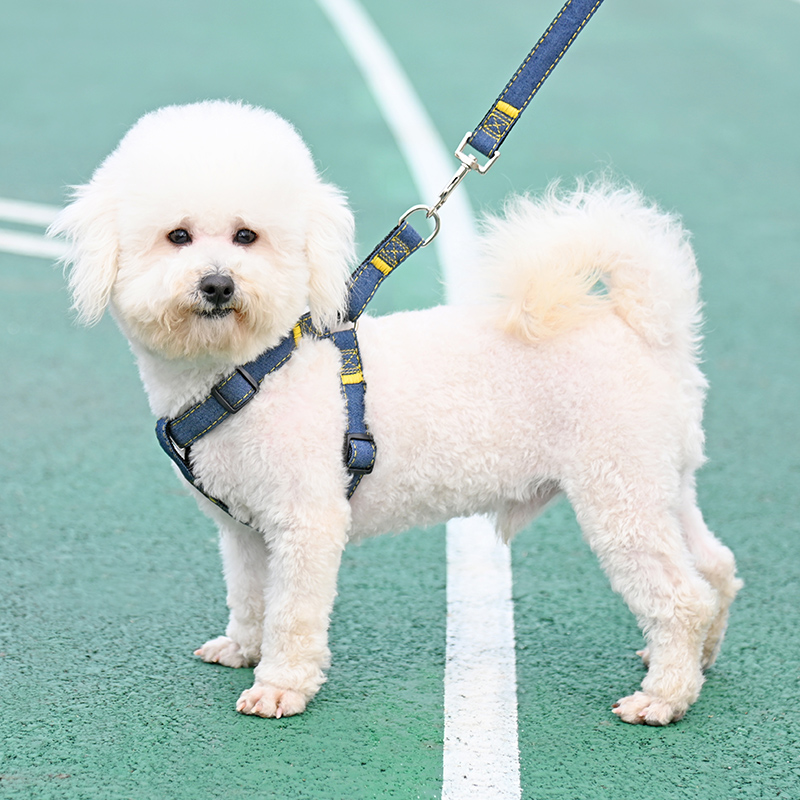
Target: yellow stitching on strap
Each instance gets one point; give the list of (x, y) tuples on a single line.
[(356, 377), (507, 109), (380, 264), (297, 331)]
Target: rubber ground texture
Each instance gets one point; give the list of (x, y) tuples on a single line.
[(109, 577)]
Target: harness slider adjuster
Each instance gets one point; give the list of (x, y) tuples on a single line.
[(366, 436), (248, 378)]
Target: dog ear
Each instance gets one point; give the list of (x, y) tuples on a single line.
[(331, 251), (89, 223)]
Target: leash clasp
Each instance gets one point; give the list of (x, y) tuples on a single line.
[(468, 163)]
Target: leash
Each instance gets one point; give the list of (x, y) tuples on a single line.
[(176, 436)]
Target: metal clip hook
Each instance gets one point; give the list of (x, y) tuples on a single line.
[(448, 190), (468, 163)]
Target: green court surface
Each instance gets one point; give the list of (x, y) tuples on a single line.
[(109, 577)]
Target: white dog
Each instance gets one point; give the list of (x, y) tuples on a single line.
[(552, 384)]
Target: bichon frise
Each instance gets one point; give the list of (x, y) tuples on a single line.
[(208, 232)]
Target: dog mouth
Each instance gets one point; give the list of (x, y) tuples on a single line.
[(215, 313)]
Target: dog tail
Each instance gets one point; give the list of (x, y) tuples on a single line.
[(554, 264)]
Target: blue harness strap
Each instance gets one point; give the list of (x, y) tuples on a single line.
[(231, 394), (533, 72), (234, 392), (227, 397), (181, 460), (393, 250), (359, 446)]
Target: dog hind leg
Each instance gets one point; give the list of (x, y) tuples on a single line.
[(716, 564), (640, 545)]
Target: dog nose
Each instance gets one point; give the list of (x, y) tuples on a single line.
[(217, 288)]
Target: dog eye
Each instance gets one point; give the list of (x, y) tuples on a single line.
[(244, 236), (180, 236)]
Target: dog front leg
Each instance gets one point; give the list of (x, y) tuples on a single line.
[(303, 568), (244, 560)]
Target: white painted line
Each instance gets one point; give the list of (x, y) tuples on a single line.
[(430, 163), (481, 747), (481, 742), (27, 213), (27, 244)]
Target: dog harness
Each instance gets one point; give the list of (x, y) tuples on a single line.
[(230, 395), (235, 391)]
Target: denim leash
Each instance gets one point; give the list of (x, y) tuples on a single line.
[(234, 392)]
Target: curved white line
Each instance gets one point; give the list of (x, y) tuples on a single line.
[(427, 158), (27, 213), (27, 244), (481, 748)]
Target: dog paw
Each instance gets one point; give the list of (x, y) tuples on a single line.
[(265, 700), (225, 651), (644, 709)]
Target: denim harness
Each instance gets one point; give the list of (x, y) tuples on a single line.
[(234, 392)]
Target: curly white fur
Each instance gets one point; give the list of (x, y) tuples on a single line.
[(575, 373)]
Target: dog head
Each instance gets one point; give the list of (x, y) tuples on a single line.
[(208, 231)]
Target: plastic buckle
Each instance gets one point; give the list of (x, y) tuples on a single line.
[(215, 393), (358, 437)]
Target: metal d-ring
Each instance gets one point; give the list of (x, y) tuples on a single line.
[(429, 212)]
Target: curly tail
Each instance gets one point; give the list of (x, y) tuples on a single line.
[(553, 264)]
